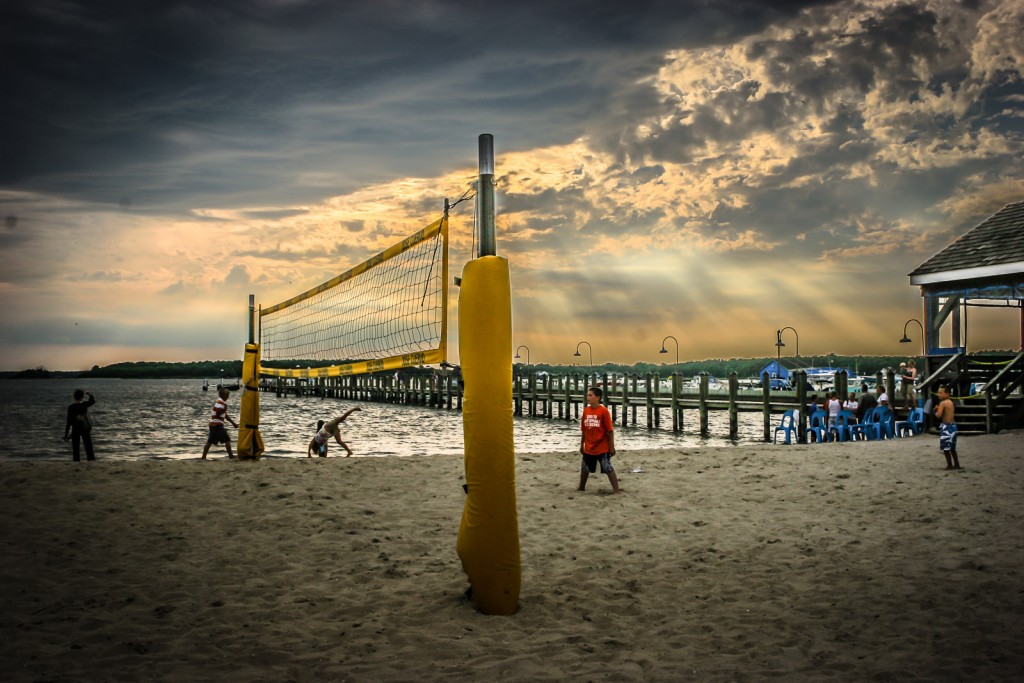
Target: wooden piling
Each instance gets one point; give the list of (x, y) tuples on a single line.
[(766, 405), (800, 377), (734, 418), (703, 404), (676, 421), (650, 402)]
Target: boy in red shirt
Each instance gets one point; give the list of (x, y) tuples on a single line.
[(597, 442), (218, 434)]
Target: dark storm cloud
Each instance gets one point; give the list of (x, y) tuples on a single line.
[(275, 214), (150, 104), (107, 276), (68, 331), (282, 255), (821, 75), (813, 67)]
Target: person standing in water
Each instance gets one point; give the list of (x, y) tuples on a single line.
[(79, 427)]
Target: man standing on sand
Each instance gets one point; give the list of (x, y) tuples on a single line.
[(945, 413), (218, 434), (597, 442), (79, 426)]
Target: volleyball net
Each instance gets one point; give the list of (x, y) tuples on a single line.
[(388, 312)]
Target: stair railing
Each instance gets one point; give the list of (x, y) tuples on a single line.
[(926, 384), (992, 399)]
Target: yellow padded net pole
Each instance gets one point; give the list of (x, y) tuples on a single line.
[(250, 442), (488, 542)]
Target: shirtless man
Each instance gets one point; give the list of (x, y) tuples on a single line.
[(944, 412)]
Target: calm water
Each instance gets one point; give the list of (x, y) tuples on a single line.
[(166, 419)]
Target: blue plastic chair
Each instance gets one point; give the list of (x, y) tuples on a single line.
[(867, 428), (840, 431), (787, 427), (886, 423), (877, 424), (819, 426), (913, 425)]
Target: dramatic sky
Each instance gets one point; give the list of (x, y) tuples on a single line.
[(708, 170)]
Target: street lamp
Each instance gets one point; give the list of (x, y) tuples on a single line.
[(907, 340), (779, 343), (524, 346), (664, 350), (577, 354)]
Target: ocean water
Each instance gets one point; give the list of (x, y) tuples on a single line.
[(167, 419)]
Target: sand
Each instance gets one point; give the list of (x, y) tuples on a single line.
[(839, 562)]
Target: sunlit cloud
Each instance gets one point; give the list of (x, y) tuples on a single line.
[(784, 172)]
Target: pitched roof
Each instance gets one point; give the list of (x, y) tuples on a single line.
[(996, 247)]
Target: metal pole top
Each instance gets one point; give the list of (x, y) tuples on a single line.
[(486, 148)]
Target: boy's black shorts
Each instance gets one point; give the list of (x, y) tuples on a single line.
[(218, 435), (590, 463)]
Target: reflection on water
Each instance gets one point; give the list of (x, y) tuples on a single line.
[(166, 419)]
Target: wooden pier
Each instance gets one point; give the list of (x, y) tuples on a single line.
[(562, 397)]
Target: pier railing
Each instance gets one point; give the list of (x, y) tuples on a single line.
[(562, 397)]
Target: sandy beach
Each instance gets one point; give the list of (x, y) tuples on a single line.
[(840, 562)]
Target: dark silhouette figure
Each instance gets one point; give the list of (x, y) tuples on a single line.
[(79, 427)]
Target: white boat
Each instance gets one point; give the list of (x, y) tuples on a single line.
[(713, 383)]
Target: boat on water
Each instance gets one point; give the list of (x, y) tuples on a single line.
[(233, 386), (713, 383), (819, 379), (824, 379)]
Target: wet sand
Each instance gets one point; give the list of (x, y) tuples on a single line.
[(839, 562)]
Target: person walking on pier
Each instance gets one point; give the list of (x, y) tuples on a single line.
[(597, 441), (946, 414), (324, 434), (908, 375), (80, 426), (218, 433)]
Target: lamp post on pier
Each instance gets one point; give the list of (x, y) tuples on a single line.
[(577, 354), (664, 350), (907, 340), (779, 343), (524, 346)]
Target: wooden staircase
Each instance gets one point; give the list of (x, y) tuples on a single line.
[(986, 388), (972, 416)]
